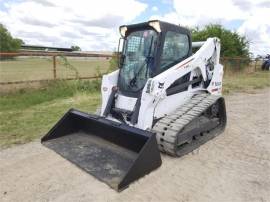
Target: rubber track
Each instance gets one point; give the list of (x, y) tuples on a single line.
[(168, 128)]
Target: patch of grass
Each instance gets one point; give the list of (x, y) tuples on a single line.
[(53, 90), (246, 82), (29, 114)]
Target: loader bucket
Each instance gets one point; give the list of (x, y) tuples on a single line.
[(115, 153)]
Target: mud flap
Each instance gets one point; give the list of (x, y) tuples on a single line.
[(115, 153)]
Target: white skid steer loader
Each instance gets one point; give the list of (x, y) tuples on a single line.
[(162, 98)]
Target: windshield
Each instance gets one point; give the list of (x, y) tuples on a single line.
[(138, 60)]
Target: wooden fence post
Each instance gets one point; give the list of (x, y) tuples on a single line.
[(225, 65), (255, 65), (54, 67), (239, 64)]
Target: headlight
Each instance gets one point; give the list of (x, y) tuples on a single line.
[(123, 30)]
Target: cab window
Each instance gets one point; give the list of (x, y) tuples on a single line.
[(175, 49)]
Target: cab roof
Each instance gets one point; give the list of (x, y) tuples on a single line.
[(157, 25)]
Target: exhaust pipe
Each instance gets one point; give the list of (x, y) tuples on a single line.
[(115, 153)]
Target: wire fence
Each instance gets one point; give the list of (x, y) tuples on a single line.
[(31, 67), (233, 65)]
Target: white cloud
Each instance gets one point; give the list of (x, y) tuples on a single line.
[(95, 25), (257, 29), (154, 8), (254, 14), (66, 22)]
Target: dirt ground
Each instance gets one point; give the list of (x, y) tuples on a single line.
[(235, 166)]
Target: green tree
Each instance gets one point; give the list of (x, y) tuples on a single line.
[(7, 42), (232, 44), (75, 48)]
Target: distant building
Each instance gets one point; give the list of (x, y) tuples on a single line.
[(26, 47)]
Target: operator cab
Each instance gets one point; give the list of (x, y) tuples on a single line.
[(150, 48)]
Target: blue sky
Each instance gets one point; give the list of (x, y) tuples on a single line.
[(93, 25), (163, 7)]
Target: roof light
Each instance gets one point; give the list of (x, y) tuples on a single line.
[(155, 24), (123, 30)]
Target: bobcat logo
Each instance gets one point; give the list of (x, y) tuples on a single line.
[(160, 85)]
